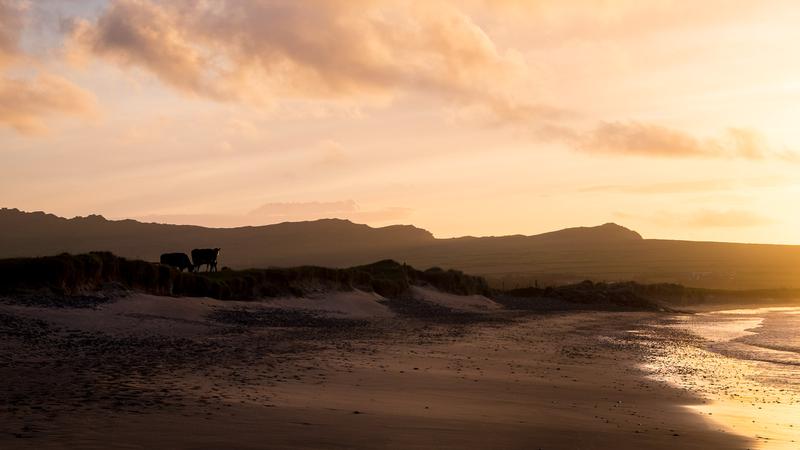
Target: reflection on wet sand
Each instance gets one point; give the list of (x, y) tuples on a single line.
[(745, 362)]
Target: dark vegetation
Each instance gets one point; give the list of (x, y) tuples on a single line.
[(621, 296), (632, 295), (604, 253), (87, 280), (89, 275)]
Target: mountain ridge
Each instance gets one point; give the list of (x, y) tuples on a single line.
[(607, 252), (608, 229)]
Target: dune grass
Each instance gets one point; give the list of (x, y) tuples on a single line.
[(68, 274)]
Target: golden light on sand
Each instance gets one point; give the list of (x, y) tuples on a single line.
[(745, 387)]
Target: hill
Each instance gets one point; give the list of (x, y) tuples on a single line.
[(605, 253), (328, 242)]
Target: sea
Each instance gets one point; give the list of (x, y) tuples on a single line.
[(743, 365)]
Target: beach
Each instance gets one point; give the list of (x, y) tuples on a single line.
[(398, 224), (145, 371), (744, 362)]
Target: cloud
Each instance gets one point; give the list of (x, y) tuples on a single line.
[(261, 51), (244, 128), (681, 187), (330, 153), (304, 209), (645, 139), (372, 52), (26, 102), (287, 212), (392, 213), (730, 218), (704, 218), (145, 34), (11, 22), (345, 209)]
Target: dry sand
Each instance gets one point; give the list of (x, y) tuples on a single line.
[(154, 372), (467, 303)]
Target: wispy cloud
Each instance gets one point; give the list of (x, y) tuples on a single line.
[(330, 154), (11, 22), (691, 187), (304, 209), (646, 139), (276, 212), (703, 218), (727, 218), (345, 209), (25, 103)]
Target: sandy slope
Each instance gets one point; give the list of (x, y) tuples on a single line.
[(147, 315), (468, 303), (354, 305), (149, 372)]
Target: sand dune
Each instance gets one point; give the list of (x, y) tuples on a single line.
[(467, 303), (354, 304)]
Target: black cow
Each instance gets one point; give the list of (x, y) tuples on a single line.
[(179, 261), (205, 257)]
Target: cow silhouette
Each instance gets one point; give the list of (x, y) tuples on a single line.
[(179, 261), (205, 257)]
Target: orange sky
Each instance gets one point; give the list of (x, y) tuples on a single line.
[(470, 117)]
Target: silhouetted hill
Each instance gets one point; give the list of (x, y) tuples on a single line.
[(609, 232), (331, 242), (605, 253)]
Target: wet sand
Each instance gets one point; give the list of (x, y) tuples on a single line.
[(743, 362), (164, 373)]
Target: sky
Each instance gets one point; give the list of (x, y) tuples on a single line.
[(464, 117)]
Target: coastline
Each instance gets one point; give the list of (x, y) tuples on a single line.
[(559, 380), (749, 386)]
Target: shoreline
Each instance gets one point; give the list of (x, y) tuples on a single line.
[(557, 380), (749, 388)]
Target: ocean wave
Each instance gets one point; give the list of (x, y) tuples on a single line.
[(758, 353)]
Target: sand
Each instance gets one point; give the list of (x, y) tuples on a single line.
[(751, 388), (354, 304), (466, 303), (151, 372)]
